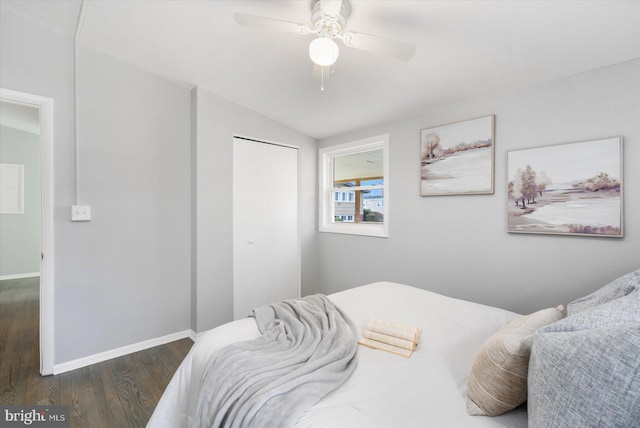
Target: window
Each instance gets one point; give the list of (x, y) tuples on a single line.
[(354, 180)]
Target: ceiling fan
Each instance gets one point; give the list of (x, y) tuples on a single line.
[(328, 22)]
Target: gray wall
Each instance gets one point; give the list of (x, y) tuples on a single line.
[(20, 243), (124, 277), (217, 121), (458, 245), (133, 258)]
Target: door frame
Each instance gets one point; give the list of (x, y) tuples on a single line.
[(47, 279)]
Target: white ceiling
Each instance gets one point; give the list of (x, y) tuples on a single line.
[(465, 49)]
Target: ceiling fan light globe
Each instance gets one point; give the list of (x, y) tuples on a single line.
[(323, 51)]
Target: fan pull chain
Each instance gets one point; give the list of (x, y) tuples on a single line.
[(322, 79)]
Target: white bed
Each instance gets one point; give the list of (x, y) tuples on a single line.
[(386, 390)]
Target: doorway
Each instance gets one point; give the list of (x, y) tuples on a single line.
[(19, 200), (266, 243)]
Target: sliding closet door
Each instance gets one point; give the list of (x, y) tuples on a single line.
[(266, 261)]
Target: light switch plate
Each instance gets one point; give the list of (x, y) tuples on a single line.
[(80, 213)]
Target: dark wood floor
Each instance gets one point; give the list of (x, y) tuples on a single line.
[(117, 393)]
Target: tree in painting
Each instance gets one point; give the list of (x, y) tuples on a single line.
[(515, 188), (600, 182), (432, 148), (526, 186), (542, 181)]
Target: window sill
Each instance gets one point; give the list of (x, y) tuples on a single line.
[(374, 230)]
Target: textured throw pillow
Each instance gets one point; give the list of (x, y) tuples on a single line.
[(616, 289), (585, 369), (498, 376)]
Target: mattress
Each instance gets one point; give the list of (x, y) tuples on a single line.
[(386, 390)]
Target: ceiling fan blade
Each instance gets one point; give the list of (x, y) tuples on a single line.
[(331, 8), (380, 45), (270, 24)]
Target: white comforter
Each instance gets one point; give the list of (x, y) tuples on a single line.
[(386, 390)]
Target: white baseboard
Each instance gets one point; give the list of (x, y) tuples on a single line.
[(195, 336), (19, 276), (119, 352)]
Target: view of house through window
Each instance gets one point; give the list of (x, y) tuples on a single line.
[(355, 188), (358, 184)]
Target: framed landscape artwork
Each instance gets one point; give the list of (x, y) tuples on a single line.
[(457, 158), (567, 189)]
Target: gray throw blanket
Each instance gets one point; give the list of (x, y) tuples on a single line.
[(307, 349)]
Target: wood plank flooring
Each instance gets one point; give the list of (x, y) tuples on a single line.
[(122, 392)]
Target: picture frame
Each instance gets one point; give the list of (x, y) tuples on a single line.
[(458, 158), (567, 189)]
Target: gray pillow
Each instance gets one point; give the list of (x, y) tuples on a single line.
[(617, 288), (622, 310), (584, 370), (587, 378)]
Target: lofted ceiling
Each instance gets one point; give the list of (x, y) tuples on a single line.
[(465, 49)]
